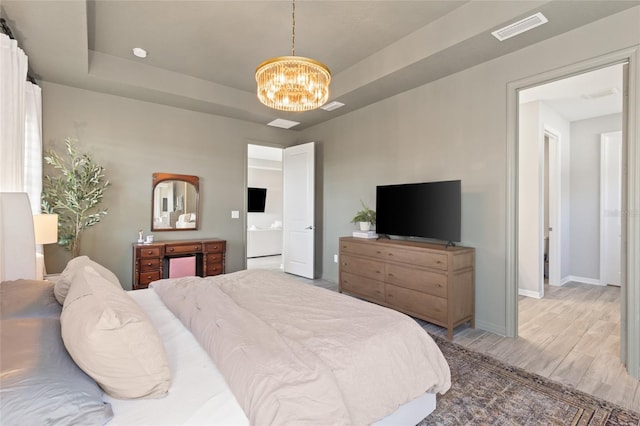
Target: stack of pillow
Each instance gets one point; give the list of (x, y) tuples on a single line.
[(108, 335)]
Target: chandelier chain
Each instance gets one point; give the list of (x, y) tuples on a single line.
[(293, 28)]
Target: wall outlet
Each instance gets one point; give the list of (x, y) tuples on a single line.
[(335, 258), (235, 214)]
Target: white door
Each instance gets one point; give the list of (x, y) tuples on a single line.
[(610, 208), (298, 214)]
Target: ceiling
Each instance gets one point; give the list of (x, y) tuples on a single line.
[(588, 95), (202, 54)]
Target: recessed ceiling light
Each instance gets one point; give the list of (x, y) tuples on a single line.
[(139, 52), (521, 26), (332, 105), (282, 123)]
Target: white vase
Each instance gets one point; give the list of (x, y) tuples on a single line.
[(365, 226)]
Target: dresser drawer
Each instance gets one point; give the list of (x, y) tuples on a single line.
[(360, 266), (214, 269), (370, 250), (149, 264), (147, 277), (411, 301), (434, 283), (421, 258), (151, 252), (215, 247), (363, 286), (214, 258), (183, 248)]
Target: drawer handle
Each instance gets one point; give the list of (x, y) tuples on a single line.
[(196, 247), (149, 263), (149, 277), (170, 248), (150, 252), (215, 247)]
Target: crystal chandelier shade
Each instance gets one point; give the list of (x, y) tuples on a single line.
[(293, 83)]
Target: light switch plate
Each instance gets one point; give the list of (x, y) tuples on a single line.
[(235, 214)]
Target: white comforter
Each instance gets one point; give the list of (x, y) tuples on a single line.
[(297, 354)]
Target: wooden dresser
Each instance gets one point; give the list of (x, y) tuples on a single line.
[(150, 260), (427, 281)]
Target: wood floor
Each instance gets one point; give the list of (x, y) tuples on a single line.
[(571, 336)]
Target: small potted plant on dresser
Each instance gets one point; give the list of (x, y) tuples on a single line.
[(365, 218)]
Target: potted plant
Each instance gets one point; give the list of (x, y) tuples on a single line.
[(74, 194), (365, 218)]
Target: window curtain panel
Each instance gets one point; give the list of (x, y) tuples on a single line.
[(20, 125), (33, 145), (13, 81)]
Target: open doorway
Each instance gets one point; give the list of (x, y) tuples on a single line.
[(567, 198), (561, 126), (264, 207)]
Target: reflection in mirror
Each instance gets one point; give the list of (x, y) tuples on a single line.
[(174, 202)]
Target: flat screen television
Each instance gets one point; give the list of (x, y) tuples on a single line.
[(427, 210), (256, 200)]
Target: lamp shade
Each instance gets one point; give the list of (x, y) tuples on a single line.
[(45, 228)]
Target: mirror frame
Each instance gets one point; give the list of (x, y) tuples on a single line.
[(163, 177)]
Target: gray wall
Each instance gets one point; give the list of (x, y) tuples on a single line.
[(453, 128), (134, 139), (585, 193)]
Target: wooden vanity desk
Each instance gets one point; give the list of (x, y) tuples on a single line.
[(150, 261)]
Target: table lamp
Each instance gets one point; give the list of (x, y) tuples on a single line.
[(45, 227)]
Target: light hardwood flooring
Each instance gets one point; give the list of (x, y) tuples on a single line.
[(571, 336)]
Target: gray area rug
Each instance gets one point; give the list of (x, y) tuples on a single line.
[(485, 391)]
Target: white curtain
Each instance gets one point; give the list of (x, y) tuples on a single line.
[(20, 125), (13, 80), (33, 145)]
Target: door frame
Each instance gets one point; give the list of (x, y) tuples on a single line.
[(555, 207), (630, 309), (604, 137)]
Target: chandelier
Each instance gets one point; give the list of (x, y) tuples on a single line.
[(293, 83)]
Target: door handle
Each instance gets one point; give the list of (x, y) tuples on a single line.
[(309, 227)]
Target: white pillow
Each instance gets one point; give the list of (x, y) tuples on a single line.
[(66, 277), (111, 339)]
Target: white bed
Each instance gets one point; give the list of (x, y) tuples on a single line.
[(40, 380), (199, 394)]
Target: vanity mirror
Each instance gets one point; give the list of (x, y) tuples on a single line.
[(174, 202)]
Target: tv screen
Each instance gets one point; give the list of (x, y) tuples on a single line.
[(256, 199), (428, 210)]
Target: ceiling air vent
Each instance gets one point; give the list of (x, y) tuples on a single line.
[(521, 26), (282, 123), (332, 105)]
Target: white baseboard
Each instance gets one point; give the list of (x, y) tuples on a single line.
[(583, 280), (529, 293)]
